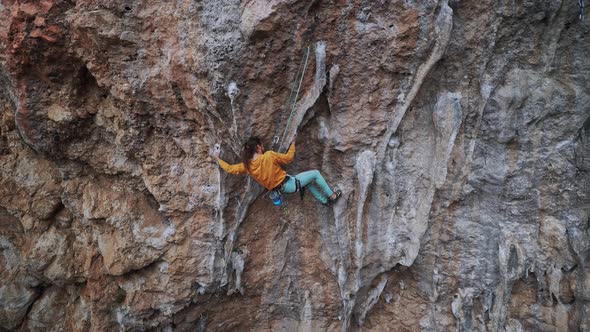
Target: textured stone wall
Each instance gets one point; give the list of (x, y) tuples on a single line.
[(458, 131)]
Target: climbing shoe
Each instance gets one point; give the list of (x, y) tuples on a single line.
[(337, 195)]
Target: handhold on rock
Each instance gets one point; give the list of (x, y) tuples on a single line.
[(232, 91), (216, 151)]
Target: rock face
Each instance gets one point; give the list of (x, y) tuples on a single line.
[(458, 131)]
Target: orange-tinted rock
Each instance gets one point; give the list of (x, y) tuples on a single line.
[(30, 9), (39, 21)]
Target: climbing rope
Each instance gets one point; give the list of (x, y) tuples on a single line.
[(290, 103), (276, 136), (582, 10)]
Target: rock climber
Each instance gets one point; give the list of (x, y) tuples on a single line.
[(265, 167)]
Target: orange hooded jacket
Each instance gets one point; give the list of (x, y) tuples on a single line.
[(266, 169)]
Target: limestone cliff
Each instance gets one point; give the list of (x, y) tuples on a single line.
[(458, 131)]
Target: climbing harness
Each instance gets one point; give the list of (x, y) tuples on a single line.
[(581, 10), (290, 103), (276, 194)]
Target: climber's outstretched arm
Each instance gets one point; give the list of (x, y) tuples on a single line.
[(232, 169), (285, 158)]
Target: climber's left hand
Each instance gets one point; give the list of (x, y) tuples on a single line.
[(216, 151)]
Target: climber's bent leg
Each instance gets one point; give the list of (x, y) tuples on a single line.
[(290, 187), (317, 193), (314, 176)]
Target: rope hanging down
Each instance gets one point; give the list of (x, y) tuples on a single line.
[(290, 103), (582, 10), (276, 137)]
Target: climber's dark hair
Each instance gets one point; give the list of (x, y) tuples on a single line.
[(250, 150)]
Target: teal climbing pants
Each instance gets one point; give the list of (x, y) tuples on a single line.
[(310, 180)]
